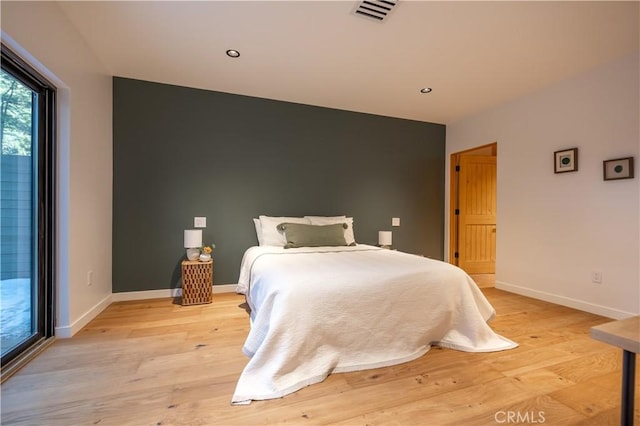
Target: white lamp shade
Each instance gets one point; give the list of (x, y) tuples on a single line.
[(192, 238), (384, 238)]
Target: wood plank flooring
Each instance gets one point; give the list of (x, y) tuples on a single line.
[(156, 362)]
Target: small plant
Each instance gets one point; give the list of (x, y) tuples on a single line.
[(208, 249)]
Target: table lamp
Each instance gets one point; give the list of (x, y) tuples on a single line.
[(193, 242), (384, 239)]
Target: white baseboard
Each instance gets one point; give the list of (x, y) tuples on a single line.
[(581, 305), (170, 292), (67, 331)]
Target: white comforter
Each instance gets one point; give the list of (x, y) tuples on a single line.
[(317, 311)]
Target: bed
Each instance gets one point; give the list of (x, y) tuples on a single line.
[(330, 309)]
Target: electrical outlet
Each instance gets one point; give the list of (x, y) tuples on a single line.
[(90, 278), (596, 277)]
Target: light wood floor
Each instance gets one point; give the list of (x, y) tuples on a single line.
[(159, 363)]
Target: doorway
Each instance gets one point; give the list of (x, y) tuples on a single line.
[(27, 172), (473, 211)]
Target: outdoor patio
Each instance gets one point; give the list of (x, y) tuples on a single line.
[(15, 312)]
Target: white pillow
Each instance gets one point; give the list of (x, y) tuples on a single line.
[(330, 220), (256, 222), (270, 234)]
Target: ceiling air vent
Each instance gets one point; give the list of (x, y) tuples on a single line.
[(376, 10)]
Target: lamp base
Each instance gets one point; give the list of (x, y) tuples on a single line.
[(193, 253)]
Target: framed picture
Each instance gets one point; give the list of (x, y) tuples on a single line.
[(620, 168), (566, 160)]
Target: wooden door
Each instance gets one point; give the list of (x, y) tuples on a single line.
[(477, 214)]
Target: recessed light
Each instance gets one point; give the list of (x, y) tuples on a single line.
[(426, 90), (233, 53)]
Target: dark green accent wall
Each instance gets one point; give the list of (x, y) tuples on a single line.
[(182, 152)]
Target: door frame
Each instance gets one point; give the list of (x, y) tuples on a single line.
[(43, 222), (454, 192)]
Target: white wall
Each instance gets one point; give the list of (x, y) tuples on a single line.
[(553, 230), (41, 34)]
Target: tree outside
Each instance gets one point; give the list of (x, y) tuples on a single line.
[(15, 116)]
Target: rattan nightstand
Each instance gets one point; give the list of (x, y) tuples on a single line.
[(197, 282)]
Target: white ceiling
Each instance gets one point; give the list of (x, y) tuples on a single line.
[(473, 54)]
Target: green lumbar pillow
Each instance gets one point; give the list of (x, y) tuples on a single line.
[(303, 235)]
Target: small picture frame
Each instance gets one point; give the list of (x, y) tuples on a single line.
[(620, 168), (566, 160)]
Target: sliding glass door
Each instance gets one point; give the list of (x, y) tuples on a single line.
[(26, 210)]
